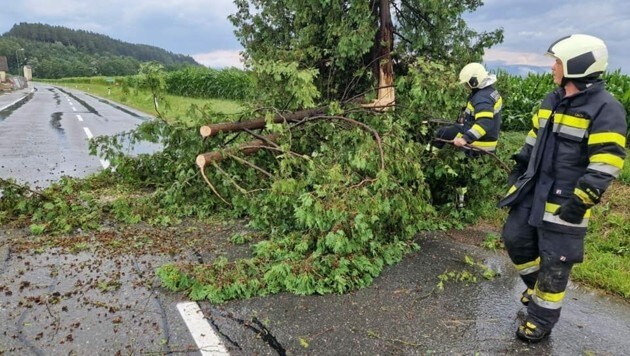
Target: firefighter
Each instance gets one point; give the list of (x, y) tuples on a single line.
[(571, 155), (480, 121)]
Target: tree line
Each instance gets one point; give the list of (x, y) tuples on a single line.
[(57, 52)]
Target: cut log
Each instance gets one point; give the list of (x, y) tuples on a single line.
[(247, 148), (213, 129)]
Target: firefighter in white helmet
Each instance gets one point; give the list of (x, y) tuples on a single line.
[(479, 125), (573, 152)]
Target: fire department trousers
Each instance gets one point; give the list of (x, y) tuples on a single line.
[(543, 257)]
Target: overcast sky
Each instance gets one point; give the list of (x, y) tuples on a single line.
[(532, 25), (200, 28)]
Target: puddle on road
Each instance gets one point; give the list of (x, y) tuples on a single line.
[(55, 122), (55, 96), (11, 109), (120, 108), (85, 105)]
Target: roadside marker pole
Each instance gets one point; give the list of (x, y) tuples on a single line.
[(205, 338)]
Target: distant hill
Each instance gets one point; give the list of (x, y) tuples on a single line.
[(56, 52)]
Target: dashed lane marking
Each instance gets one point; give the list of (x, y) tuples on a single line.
[(79, 118), (105, 163), (207, 340), (88, 133)]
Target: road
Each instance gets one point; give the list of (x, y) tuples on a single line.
[(44, 132), (82, 299)]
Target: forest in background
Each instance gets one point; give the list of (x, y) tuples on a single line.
[(59, 52)]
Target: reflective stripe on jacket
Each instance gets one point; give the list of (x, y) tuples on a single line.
[(482, 120), (576, 139)]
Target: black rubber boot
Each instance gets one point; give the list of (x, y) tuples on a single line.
[(531, 332), (526, 296)]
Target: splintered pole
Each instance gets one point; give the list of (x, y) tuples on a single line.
[(382, 52)]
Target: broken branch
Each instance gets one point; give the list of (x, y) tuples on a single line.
[(214, 129)]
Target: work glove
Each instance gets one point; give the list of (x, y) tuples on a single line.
[(588, 194), (572, 210), (462, 116)]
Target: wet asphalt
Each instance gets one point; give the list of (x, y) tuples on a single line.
[(403, 313), (88, 302), (44, 131), (61, 303)]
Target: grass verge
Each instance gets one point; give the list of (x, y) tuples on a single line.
[(175, 108)]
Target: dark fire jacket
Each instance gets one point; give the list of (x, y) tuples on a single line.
[(575, 141), (482, 118)]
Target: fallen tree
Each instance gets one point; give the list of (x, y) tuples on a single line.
[(214, 129)]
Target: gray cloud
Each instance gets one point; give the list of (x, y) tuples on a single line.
[(181, 26), (531, 26), (201, 28)]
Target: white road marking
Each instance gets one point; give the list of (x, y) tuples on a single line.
[(74, 109), (207, 341), (88, 133), (105, 163), (79, 118), (20, 99), (13, 103)]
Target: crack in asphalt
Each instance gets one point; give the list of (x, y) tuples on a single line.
[(129, 112), (255, 325), (166, 332), (6, 112), (20, 324)]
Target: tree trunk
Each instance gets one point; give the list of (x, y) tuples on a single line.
[(213, 129), (383, 45), (247, 148)]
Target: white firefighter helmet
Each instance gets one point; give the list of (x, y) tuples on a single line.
[(473, 74), (581, 55)]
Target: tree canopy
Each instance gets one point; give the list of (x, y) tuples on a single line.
[(340, 37)]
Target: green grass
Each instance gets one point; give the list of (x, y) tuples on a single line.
[(175, 109), (607, 252)]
